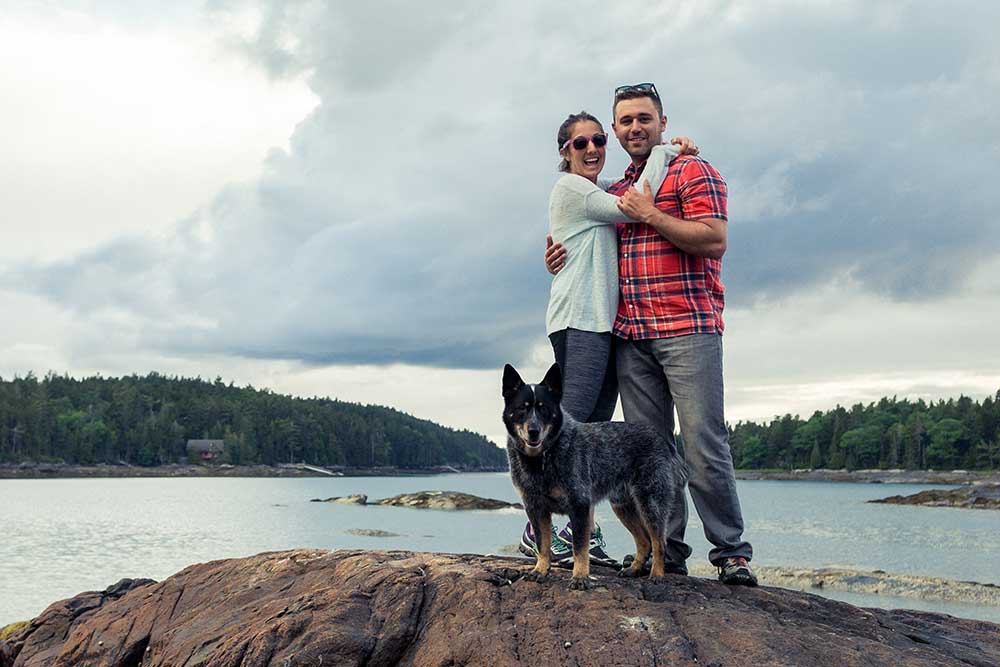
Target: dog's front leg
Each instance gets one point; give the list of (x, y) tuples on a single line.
[(541, 523), (579, 519)]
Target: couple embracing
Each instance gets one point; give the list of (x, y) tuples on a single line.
[(636, 308)]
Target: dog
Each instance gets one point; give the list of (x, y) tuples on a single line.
[(561, 466)]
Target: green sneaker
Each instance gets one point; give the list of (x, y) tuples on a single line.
[(597, 553), (561, 550)]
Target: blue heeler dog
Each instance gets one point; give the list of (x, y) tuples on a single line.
[(561, 466)]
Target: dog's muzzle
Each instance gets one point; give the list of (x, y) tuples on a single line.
[(531, 439), (532, 450)]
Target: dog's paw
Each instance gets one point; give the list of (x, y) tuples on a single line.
[(535, 575), (629, 573), (581, 584)]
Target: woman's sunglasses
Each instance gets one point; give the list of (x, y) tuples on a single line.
[(579, 143)]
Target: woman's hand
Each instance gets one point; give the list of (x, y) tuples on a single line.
[(555, 256), (638, 205), (687, 145)]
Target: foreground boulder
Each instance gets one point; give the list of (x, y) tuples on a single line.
[(309, 607), (977, 496)]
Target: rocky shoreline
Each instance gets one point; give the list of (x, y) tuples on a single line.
[(975, 496), (307, 607)]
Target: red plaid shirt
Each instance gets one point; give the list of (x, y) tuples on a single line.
[(665, 291)]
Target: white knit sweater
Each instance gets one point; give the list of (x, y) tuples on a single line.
[(582, 217)]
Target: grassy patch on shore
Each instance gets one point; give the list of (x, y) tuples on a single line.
[(8, 630)]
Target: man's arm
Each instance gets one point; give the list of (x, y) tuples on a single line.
[(705, 237)]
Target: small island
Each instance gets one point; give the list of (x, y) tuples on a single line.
[(436, 500), (976, 496)]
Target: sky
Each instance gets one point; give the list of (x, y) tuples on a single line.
[(350, 199)]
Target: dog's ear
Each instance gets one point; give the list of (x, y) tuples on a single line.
[(511, 381), (553, 380)]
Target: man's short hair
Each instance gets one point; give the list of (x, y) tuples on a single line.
[(634, 92)]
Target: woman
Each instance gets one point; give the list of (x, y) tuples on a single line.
[(583, 300)]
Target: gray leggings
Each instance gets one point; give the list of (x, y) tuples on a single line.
[(590, 381)]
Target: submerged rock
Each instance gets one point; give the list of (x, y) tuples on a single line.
[(446, 500), (976, 496), (371, 532), (349, 608), (509, 550)]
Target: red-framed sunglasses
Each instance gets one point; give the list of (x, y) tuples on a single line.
[(600, 140)]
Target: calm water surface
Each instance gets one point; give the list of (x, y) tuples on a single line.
[(66, 536)]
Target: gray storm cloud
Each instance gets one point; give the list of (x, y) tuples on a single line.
[(406, 222)]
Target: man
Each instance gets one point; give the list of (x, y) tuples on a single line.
[(669, 324)]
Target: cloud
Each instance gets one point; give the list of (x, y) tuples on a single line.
[(405, 221)]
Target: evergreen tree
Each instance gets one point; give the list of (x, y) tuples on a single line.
[(816, 457)]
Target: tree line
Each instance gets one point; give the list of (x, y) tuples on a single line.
[(147, 421), (892, 433)]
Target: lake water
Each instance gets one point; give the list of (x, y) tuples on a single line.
[(65, 536)]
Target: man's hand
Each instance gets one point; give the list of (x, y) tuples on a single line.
[(687, 145), (638, 205), (555, 256)]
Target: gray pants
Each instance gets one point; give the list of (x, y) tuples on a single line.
[(590, 383), (686, 371)]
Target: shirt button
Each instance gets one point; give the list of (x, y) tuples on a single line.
[(626, 280), (626, 254)]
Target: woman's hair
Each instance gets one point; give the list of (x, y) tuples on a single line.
[(564, 129)]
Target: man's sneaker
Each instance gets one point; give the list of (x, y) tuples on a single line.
[(736, 571), (560, 550), (597, 553), (668, 568)]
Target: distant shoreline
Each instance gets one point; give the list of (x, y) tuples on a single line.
[(949, 477), (62, 471)]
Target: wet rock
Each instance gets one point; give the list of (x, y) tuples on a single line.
[(357, 499), (976, 496), (446, 500), (349, 608)]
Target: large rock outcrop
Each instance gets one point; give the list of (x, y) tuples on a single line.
[(386, 608)]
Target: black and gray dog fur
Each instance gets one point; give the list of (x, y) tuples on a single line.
[(561, 466)]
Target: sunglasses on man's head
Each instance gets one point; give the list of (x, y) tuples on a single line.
[(579, 143), (637, 88)]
